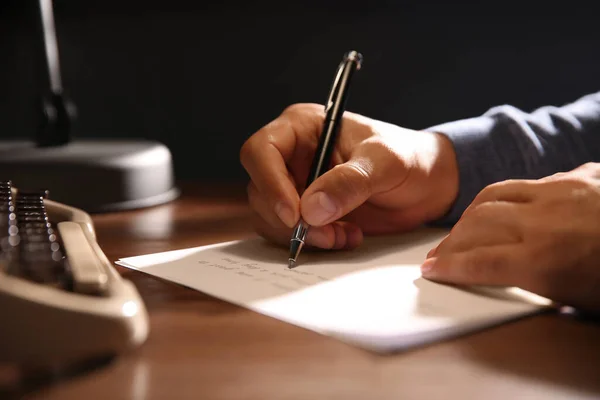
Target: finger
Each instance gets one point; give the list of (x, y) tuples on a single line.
[(337, 235), (431, 253), (264, 209), (487, 224), (347, 235), (518, 191), (264, 156), (349, 185), (336, 193), (587, 170), (376, 220), (504, 265)]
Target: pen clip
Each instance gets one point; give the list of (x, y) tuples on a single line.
[(335, 86)]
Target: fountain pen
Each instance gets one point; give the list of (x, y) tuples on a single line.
[(334, 110)]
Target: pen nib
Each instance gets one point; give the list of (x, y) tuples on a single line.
[(296, 243)]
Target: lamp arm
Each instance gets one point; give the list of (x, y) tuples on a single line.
[(58, 112)]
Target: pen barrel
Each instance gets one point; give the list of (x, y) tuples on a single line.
[(322, 159), (333, 120), (335, 110)]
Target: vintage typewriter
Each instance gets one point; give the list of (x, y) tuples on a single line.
[(61, 300)]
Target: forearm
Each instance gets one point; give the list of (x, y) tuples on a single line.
[(507, 143)]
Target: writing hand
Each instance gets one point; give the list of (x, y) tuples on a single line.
[(384, 178), (540, 235)]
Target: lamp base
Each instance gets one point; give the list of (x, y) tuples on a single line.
[(93, 175)]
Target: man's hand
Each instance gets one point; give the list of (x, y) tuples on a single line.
[(384, 178), (540, 235)]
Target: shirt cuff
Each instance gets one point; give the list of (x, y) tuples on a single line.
[(471, 141)]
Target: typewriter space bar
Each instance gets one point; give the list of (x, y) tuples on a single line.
[(89, 276)]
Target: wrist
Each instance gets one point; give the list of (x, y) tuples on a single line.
[(444, 175)]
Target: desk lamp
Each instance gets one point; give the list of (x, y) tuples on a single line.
[(94, 175)]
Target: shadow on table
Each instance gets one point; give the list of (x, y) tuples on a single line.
[(554, 349), (35, 380)]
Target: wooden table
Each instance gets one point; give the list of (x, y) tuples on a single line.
[(203, 348)]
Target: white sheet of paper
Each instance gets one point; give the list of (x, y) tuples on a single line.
[(373, 297)]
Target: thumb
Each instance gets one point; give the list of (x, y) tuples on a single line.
[(337, 192)]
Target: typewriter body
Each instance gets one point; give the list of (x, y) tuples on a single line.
[(61, 300)]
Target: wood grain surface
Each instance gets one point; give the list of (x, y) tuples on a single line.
[(203, 348)]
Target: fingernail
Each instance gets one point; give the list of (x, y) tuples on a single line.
[(354, 238), (431, 252), (319, 209), (427, 267), (285, 214), (317, 238)]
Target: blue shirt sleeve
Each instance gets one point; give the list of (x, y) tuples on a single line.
[(507, 143)]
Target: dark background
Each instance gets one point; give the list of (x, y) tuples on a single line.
[(203, 76)]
